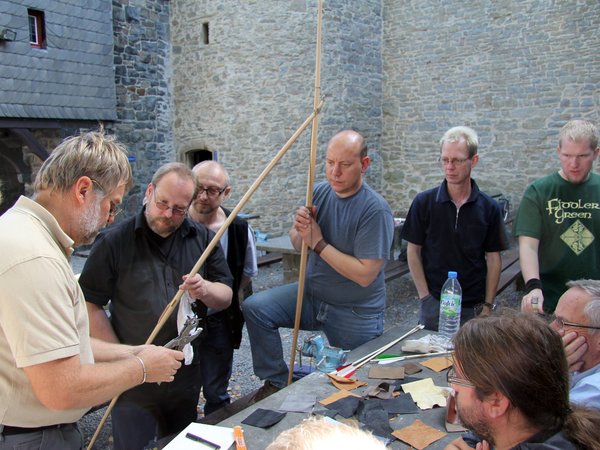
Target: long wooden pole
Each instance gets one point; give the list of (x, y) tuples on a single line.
[(213, 243), (309, 191)]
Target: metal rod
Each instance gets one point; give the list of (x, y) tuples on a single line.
[(422, 355), (365, 359)]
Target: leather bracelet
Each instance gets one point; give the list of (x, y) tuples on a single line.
[(320, 246), (533, 283), (489, 305), (143, 368)]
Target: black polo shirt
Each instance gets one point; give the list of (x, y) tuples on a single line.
[(455, 240), (140, 273)]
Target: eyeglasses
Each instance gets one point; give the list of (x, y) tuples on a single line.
[(115, 209), (211, 191), (451, 378), (164, 206), (454, 162), (562, 323)]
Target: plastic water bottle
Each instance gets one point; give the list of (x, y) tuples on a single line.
[(450, 302)]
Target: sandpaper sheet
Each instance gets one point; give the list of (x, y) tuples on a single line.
[(418, 435), (438, 364), (386, 372)]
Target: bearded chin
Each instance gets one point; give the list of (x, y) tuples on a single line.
[(90, 224), (480, 428)]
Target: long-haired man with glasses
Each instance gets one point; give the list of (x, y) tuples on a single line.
[(511, 385), (224, 326), (51, 372), (138, 265), (558, 221), (455, 227), (577, 320)]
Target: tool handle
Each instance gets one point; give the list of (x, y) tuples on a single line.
[(238, 435)]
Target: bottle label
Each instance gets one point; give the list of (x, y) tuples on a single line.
[(450, 305)]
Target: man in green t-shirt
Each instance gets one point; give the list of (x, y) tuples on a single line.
[(558, 222)]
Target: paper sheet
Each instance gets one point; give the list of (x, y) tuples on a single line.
[(425, 393), (219, 435)]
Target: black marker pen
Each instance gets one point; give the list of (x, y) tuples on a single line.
[(193, 437)]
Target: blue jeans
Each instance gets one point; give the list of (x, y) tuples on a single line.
[(346, 327)]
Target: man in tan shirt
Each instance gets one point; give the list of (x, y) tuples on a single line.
[(51, 371)]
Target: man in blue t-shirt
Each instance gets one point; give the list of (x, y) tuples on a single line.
[(350, 232), (455, 227)]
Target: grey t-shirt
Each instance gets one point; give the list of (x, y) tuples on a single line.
[(361, 225)]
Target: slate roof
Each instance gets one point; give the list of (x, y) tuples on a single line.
[(73, 78)]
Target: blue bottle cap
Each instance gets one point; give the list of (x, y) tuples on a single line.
[(452, 274)]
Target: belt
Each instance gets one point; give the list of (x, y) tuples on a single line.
[(10, 430)]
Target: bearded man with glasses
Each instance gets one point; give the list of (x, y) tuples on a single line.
[(224, 326), (511, 385), (455, 227), (138, 265), (51, 371)]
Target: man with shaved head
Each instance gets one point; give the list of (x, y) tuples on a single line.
[(224, 326), (349, 231)]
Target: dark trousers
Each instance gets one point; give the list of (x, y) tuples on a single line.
[(150, 411), (65, 437), (216, 361)]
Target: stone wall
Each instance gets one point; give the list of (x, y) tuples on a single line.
[(400, 72), (245, 92), (142, 75), (514, 71)]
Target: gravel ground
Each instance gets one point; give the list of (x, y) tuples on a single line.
[(402, 308)]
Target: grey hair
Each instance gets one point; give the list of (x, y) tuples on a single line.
[(182, 171), (316, 434), (456, 134), (592, 308), (92, 154), (579, 130)]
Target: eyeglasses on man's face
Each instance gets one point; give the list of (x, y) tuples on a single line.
[(164, 206), (115, 209), (211, 191), (453, 161), (562, 323), (451, 378)]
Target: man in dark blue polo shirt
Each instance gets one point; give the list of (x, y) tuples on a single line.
[(455, 227)]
